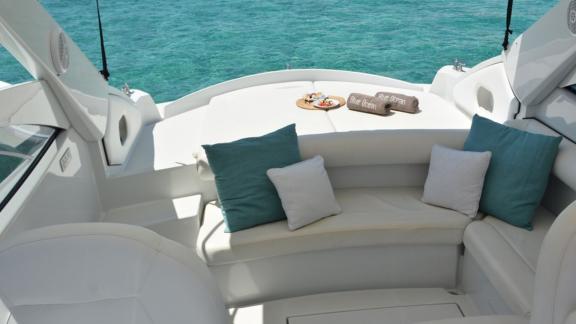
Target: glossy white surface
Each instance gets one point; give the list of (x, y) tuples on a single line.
[(10, 211), (177, 219), (542, 57), (486, 92), (58, 196), (147, 107), (25, 28), (558, 111), (444, 81), (170, 143), (31, 103), (124, 124)]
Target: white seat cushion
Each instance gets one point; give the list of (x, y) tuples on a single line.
[(370, 217), (105, 273), (526, 243), (508, 256)]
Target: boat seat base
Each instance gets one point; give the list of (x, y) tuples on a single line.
[(507, 255), (381, 306), (384, 238)]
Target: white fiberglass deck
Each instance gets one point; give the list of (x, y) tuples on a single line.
[(258, 110), (382, 306)]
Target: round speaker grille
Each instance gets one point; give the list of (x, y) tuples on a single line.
[(59, 51), (572, 17)]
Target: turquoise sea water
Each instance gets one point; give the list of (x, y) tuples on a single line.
[(173, 47)]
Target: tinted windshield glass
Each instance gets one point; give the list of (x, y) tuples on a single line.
[(19, 147)]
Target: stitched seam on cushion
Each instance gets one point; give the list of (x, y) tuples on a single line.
[(330, 119), (147, 262), (156, 248), (159, 242), (509, 243), (354, 232), (145, 310), (7, 301), (326, 112), (98, 235), (78, 303), (211, 262)]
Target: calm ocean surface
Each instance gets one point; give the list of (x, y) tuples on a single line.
[(172, 47)]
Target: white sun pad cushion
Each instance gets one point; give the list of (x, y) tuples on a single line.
[(260, 110), (370, 217)]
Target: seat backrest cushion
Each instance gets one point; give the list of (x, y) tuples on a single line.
[(379, 147), (371, 158), (555, 285), (105, 273)]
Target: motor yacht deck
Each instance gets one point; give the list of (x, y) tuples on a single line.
[(233, 205), (257, 110)]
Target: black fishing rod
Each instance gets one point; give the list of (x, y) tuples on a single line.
[(105, 73)]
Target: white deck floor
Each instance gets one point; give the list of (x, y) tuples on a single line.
[(383, 306), (258, 110)]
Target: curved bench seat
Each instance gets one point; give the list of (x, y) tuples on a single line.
[(505, 255), (384, 238), (370, 216)]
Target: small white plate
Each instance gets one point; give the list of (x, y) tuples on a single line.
[(333, 103)]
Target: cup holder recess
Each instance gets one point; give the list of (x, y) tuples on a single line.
[(485, 99), (123, 129)]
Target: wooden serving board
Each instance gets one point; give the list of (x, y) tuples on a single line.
[(310, 106)]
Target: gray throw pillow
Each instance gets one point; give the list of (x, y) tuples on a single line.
[(455, 179), (305, 191)]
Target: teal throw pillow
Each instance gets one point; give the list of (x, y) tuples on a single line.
[(519, 169), (246, 195)]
